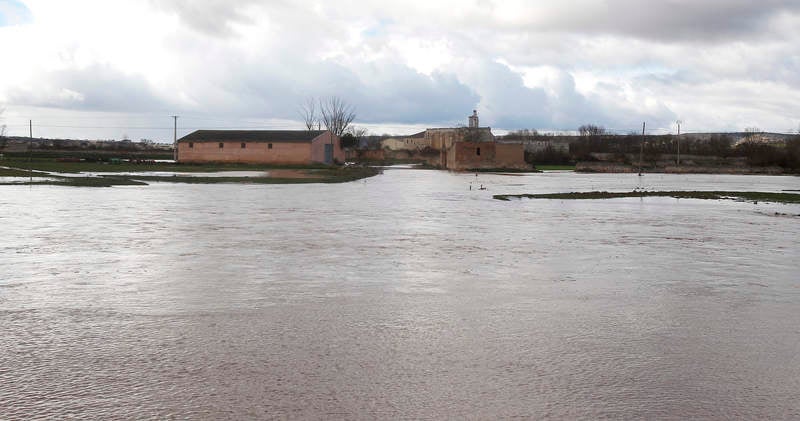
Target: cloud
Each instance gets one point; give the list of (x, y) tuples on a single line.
[(521, 63), (98, 88), (381, 91), (663, 21), (213, 17)]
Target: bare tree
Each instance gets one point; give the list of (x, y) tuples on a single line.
[(308, 112), (359, 134), (523, 134), (591, 130), (2, 126), (752, 133), (336, 114), (2, 131)]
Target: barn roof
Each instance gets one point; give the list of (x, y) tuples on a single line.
[(275, 136)]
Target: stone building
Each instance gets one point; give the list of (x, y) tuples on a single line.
[(474, 147), (298, 147), (463, 156), (414, 142), (443, 138)]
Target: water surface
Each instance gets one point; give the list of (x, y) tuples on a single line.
[(406, 295)]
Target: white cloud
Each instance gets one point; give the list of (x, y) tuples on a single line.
[(717, 64)]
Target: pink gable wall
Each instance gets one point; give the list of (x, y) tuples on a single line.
[(318, 147)]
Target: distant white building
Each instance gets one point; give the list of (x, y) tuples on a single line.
[(415, 142)]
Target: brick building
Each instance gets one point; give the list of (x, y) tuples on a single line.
[(474, 147), (299, 147), (462, 156)]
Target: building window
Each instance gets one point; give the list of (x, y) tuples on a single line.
[(478, 151), (269, 146), (244, 145), (221, 145), (191, 144)]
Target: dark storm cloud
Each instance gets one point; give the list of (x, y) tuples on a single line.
[(508, 103), (213, 17), (401, 95), (381, 91), (672, 20)]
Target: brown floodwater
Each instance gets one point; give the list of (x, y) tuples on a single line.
[(406, 295)]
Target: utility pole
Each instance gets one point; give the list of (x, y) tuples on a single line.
[(30, 150), (175, 138), (679, 141), (641, 150)]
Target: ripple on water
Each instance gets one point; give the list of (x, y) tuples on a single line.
[(409, 296)]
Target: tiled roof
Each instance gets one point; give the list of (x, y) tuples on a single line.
[(275, 136)]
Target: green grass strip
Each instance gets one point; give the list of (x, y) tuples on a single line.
[(708, 195)]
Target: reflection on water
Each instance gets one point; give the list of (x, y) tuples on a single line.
[(405, 295)]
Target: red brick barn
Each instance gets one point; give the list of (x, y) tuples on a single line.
[(298, 147)]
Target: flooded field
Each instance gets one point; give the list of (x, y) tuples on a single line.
[(412, 294)]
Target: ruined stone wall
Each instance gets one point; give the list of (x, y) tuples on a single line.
[(405, 143), (485, 155), (376, 155), (471, 155), (442, 139), (510, 155)]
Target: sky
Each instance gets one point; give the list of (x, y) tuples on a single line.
[(121, 69)]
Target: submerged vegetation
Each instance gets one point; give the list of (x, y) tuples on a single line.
[(555, 167), (330, 175), (54, 165), (52, 172), (14, 172), (502, 170), (710, 195)]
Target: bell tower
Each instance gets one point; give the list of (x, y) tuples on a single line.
[(473, 120)]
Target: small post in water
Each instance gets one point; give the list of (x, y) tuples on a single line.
[(641, 150)]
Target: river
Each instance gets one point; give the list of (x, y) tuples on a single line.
[(412, 294)]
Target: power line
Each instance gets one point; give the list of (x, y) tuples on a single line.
[(149, 127)]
